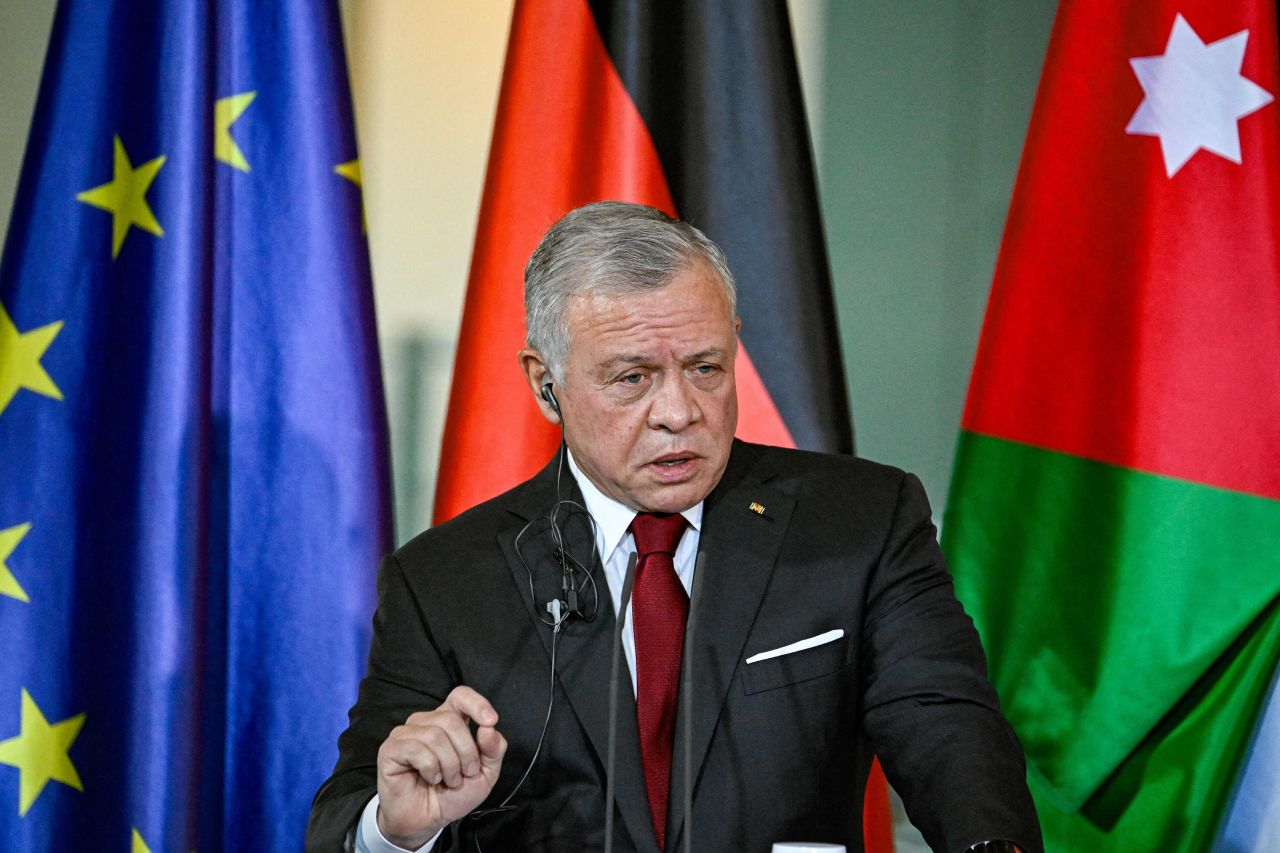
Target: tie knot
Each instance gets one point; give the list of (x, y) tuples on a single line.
[(657, 533)]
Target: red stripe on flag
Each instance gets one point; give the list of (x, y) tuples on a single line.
[(566, 134), (1134, 315), (877, 820)]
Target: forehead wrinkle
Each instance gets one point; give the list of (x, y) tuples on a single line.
[(637, 332), (625, 324)]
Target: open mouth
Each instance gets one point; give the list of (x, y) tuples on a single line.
[(674, 467), (672, 460)]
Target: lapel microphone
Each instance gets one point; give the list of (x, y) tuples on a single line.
[(572, 590), (576, 583)]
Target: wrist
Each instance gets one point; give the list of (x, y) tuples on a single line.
[(409, 841)]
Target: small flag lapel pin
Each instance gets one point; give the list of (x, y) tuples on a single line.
[(756, 507)]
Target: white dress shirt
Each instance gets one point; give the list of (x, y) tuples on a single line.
[(616, 545)]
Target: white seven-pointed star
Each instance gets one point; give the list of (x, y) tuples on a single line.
[(1195, 94)]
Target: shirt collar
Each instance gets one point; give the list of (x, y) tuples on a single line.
[(613, 518)]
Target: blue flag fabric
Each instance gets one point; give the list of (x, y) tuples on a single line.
[(193, 465), (1253, 814)]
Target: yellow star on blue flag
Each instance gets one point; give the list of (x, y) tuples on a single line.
[(39, 752), (20, 354), (9, 539), (125, 197), (225, 112)]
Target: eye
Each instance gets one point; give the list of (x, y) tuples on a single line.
[(632, 379)]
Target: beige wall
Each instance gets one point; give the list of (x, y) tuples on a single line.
[(24, 32), (425, 76)]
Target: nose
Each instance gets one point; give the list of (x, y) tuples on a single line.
[(674, 404)]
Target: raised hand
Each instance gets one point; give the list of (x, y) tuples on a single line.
[(431, 771)]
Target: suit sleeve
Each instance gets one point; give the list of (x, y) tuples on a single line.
[(407, 673), (931, 714)]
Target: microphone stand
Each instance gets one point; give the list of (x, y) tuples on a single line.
[(620, 623), (686, 702)]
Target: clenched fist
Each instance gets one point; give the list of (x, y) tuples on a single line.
[(431, 771)]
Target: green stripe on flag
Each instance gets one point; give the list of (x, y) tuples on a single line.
[(1104, 596), (1171, 793)]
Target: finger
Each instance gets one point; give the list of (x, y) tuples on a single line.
[(493, 746), (401, 755), (431, 718), (471, 705), (435, 739), (440, 744), (424, 718), (459, 734)]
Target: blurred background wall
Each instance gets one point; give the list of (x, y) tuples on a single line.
[(917, 108)]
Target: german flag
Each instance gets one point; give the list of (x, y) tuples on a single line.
[(694, 108)]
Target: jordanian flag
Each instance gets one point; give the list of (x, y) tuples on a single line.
[(1114, 521), (690, 107)]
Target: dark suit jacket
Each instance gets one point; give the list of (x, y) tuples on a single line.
[(780, 748)]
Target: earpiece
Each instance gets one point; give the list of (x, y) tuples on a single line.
[(550, 397)]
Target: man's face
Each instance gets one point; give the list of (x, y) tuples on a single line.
[(648, 398)]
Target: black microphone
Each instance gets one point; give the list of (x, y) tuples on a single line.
[(611, 761), (686, 700)]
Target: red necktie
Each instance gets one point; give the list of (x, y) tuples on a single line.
[(659, 606)]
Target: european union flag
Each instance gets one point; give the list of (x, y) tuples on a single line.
[(193, 465)]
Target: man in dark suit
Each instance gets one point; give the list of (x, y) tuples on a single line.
[(822, 626)]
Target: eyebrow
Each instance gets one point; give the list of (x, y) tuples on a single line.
[(618, 360)]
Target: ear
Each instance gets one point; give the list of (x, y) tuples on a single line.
[(537, 374)]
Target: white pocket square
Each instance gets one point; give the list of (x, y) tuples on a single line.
[(799, 646)]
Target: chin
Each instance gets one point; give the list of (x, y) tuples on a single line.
[(675, 499)]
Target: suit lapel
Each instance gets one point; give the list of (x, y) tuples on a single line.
[(584, 650), (739, 547)]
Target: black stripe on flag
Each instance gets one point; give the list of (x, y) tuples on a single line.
[(716, 83)]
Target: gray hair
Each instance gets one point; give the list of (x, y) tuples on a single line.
[(609, 247)]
